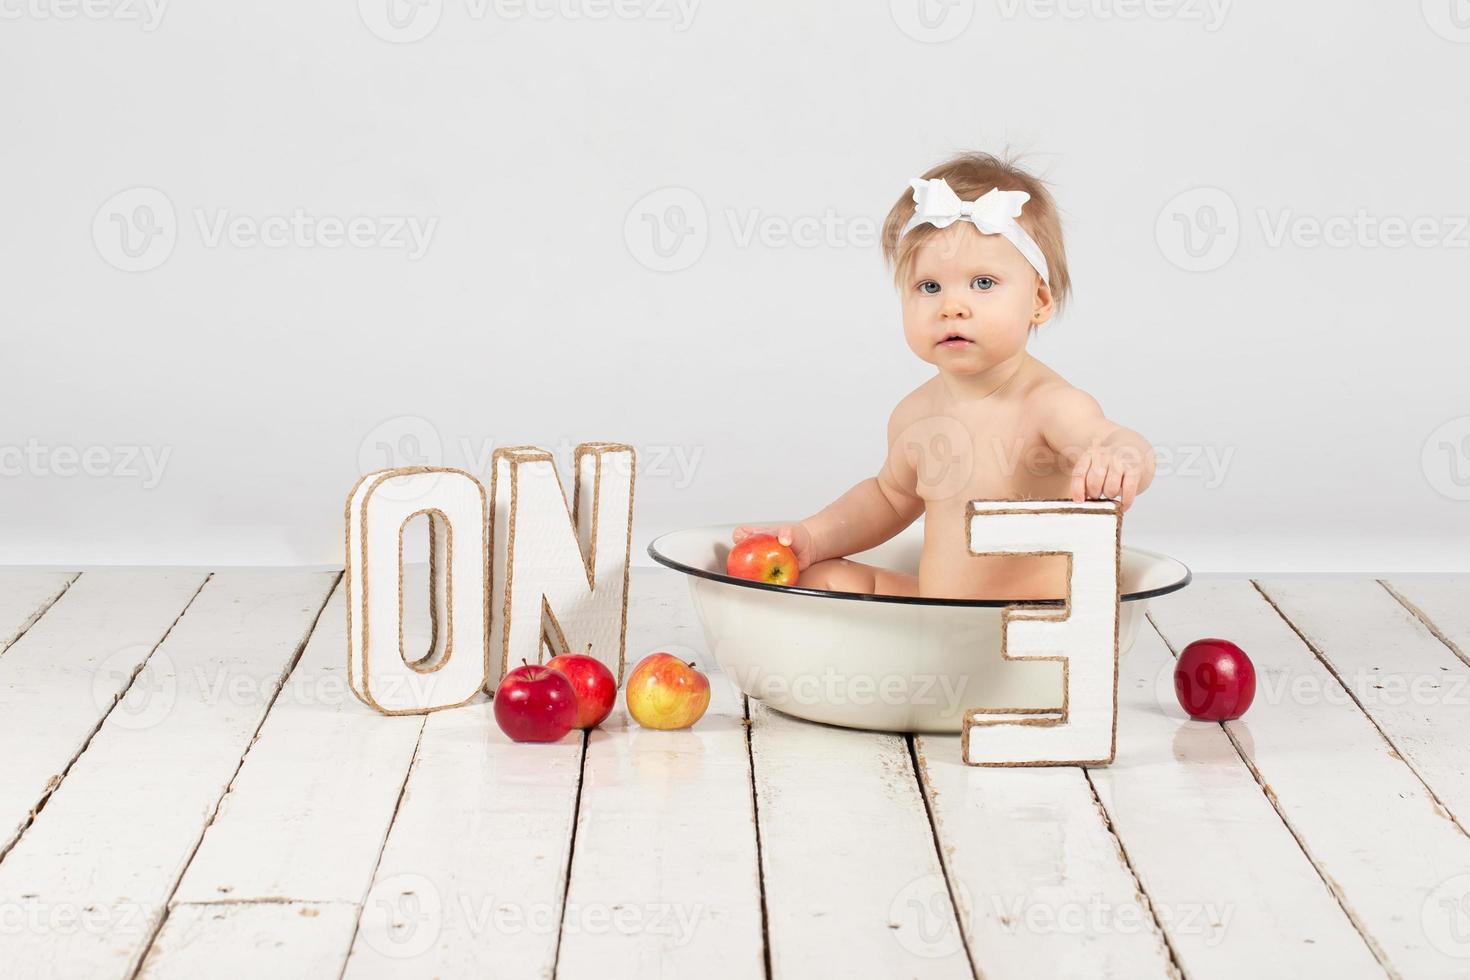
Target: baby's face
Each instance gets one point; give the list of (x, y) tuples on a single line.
[(973, 286)]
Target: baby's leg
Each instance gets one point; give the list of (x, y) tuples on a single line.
[(845, 575)]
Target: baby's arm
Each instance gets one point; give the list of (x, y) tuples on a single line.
[(1108, 460), (864, 517)]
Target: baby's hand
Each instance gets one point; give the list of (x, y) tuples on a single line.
[(794, 536), (1106, 472)]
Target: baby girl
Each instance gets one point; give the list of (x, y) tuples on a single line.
[(977, 256)]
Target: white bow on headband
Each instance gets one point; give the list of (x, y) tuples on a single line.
[(994, 213)]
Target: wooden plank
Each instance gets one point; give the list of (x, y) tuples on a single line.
[(24, 596), (1227, 881), (66, 672), (1442, 602), (1386, 849), (473, 873), (846, 849), (1040, 883), (110, 846), (665, 877), (306, 818), (1408, 681), (278, 940)]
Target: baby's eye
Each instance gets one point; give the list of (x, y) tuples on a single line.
[(929, 286), (982, 283)]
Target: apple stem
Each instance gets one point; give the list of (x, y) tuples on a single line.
[(691, 663), (523, 662)]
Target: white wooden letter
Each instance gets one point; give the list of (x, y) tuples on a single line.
[(1083, 635), (561, 576), (378, 669)]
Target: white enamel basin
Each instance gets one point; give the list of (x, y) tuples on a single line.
[(886, 663)]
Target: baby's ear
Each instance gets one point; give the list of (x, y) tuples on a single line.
[(1044, 305)]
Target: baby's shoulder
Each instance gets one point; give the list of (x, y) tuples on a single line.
[(1054, 397)]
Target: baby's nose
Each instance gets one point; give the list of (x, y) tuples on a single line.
[(954, 311)]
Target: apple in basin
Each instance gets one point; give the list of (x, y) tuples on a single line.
[(762, 558)]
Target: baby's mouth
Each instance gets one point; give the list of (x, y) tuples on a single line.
[(954, 340)]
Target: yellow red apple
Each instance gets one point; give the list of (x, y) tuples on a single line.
[(762, 558), (665, 692)]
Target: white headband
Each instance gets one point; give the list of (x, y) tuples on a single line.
[(994, 213)]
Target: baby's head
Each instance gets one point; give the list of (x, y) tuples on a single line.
[(957, 280)]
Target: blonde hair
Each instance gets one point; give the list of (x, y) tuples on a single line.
[(971, 175)]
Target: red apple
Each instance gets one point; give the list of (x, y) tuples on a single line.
[(595, 685), (665, 692), (762, 558), (535, 704), (1214, 680)]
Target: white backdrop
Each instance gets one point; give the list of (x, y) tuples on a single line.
[(252, 249)]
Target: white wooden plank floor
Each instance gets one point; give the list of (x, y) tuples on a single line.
[(188, 789)]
